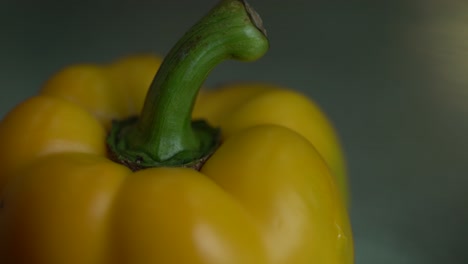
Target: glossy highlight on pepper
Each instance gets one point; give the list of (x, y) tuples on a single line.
[(272, 190)]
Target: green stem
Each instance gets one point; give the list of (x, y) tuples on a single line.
[(165, 135)]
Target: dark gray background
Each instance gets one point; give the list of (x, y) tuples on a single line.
[(392, 75)]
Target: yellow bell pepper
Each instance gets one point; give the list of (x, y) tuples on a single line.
[(261, 181)]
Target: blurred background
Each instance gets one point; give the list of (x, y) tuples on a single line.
[(392, 76)]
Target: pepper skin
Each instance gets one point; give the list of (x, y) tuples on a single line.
[(265, 196)]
